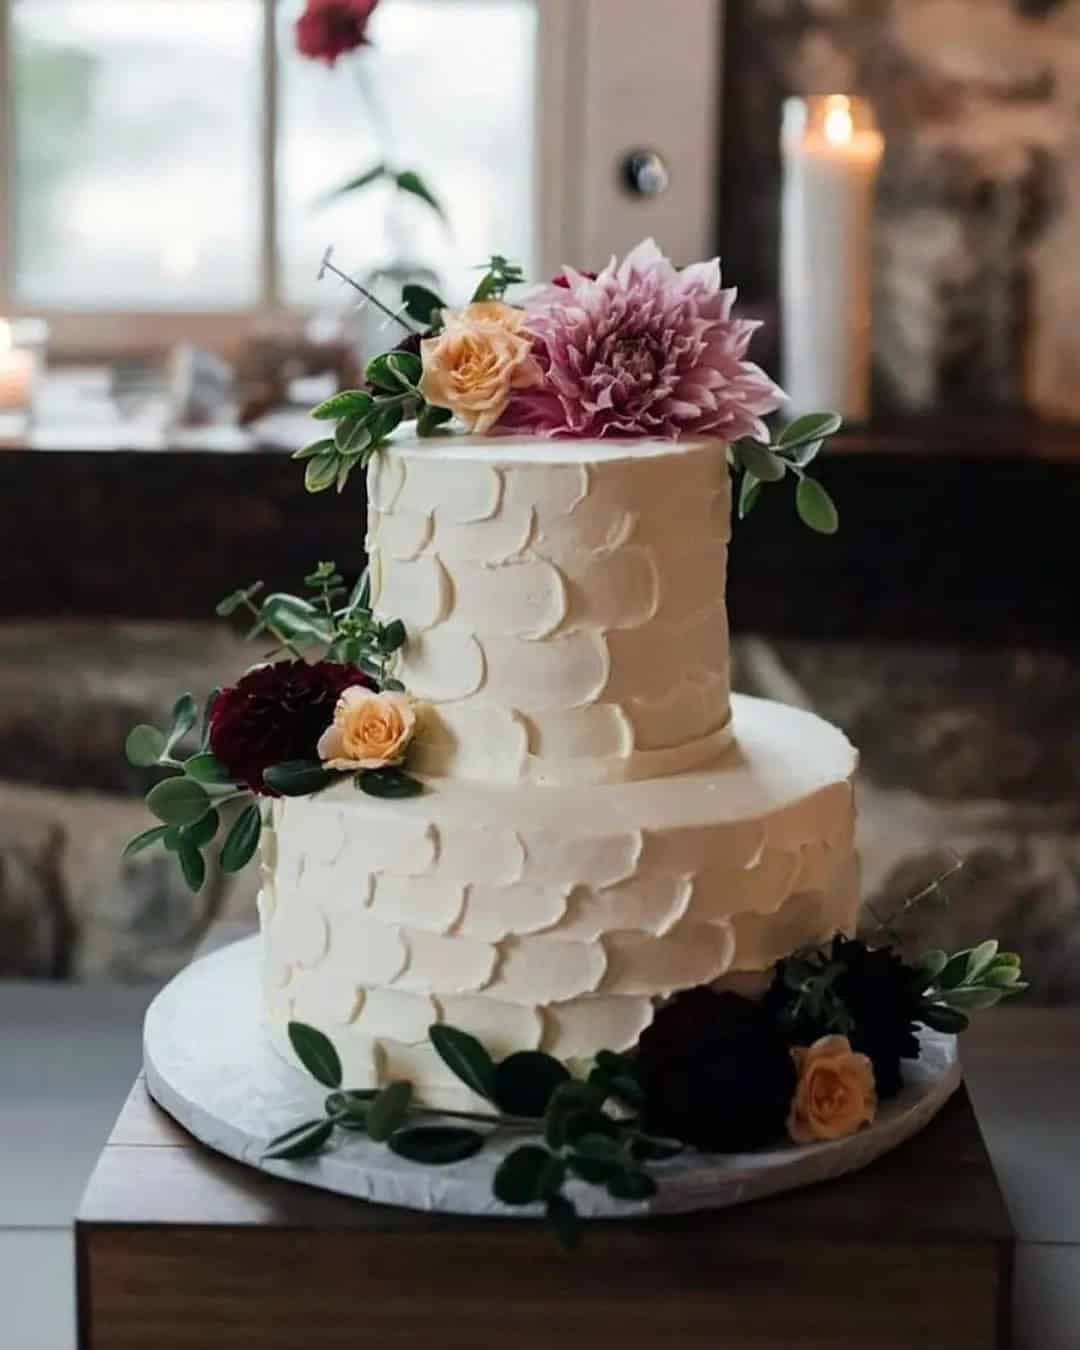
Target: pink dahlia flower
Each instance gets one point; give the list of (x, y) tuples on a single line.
[(643, 349)]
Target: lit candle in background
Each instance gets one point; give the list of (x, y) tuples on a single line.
[(16, 373), (831, 152)]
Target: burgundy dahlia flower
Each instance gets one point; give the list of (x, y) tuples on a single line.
[(642, 350), (277, 713), (329, 28)]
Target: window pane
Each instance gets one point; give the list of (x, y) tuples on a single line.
[(447, 89), (137, 153)]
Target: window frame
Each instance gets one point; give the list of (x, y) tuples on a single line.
[(589, 53)]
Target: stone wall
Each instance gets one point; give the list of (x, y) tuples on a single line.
[(964, 752), (978, 224)]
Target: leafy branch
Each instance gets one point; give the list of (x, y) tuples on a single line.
[(404, 180), (969, 981), (189, 802), (499, 275), (796, 446), (588, 1130), (334, 619)]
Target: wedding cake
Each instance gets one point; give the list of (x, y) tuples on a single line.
[(604, 823), (525, 858)]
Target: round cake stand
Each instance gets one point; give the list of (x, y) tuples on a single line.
[(210, 1066)]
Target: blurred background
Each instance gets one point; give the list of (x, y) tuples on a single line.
[(171, 172), (171, 177)]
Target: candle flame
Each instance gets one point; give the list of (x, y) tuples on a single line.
[(839, 127)]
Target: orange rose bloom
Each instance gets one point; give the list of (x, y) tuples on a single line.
[(472, 365), (835, 1096), (369, 730)]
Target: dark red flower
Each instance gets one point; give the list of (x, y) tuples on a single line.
[(564, 281), (716, 1072), (329, 28), (277, 713)]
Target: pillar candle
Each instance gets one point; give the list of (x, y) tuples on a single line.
[(831, 150)]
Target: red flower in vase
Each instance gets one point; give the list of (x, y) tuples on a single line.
[(329, 28)]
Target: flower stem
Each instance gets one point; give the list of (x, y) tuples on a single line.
[(329, 266)]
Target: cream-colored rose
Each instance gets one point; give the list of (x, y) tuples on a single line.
[(482, 354), (369, 730), (836, 1095)]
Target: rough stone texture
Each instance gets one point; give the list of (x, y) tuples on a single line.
[(979, 197), (965, 754)]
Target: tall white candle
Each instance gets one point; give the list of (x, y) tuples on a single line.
[(831, 152)]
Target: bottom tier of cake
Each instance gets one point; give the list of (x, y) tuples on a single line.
[(552, 918)]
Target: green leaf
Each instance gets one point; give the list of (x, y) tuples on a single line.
[(940, 1018), (647, 1148), (436, 1144), (804, 455), (411, 182), (967, 999), (347, 403), (352, 436), (519, 1177), (526, 1081), (297, 619), (178, 801), (184, 716), (422, 304), (321, 472), (981, 959), (760, 461), (629, 1091), (144, 840), (324, 446), (596, 1171), (298, 777), (749, 492), (388, 1111), (192, 864), (596, 1145), (430, 419), (579, 1124), (361, 593), (388, 782), (144, 746), (815, 507), (173, 838), (362, 180), (394, 372), (205, 767), (242, 839), (1001, 976), (810, 427), (302, 1141), (316, 1053), (955, 970), (465, 1057), (632, 1184), (199, 834), (392, 637), (563, 1219), (930, 965), (384, 420), (350, 1109)]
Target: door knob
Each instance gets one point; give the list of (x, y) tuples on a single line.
[(645, 173)]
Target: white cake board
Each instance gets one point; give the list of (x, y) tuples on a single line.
[(209, 1064)]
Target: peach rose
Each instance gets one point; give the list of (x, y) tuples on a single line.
[(835, 1096), (482, 353), (369, 730)]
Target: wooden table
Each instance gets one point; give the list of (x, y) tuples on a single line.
[(179, 1249)]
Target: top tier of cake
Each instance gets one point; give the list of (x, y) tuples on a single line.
[(564, 602)]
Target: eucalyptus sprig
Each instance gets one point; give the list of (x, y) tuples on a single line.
[(334, 619), (969, 981), (585, 1129), (189, 802), (795, 447)]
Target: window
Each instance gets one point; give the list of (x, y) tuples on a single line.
[(167, 160)]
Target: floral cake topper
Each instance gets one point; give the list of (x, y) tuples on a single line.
[(641, 349)]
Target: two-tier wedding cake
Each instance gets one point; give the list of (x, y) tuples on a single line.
[(604, 823), (525, 857)]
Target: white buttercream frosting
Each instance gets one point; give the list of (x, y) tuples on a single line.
[(555, 918), (566, 596)]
